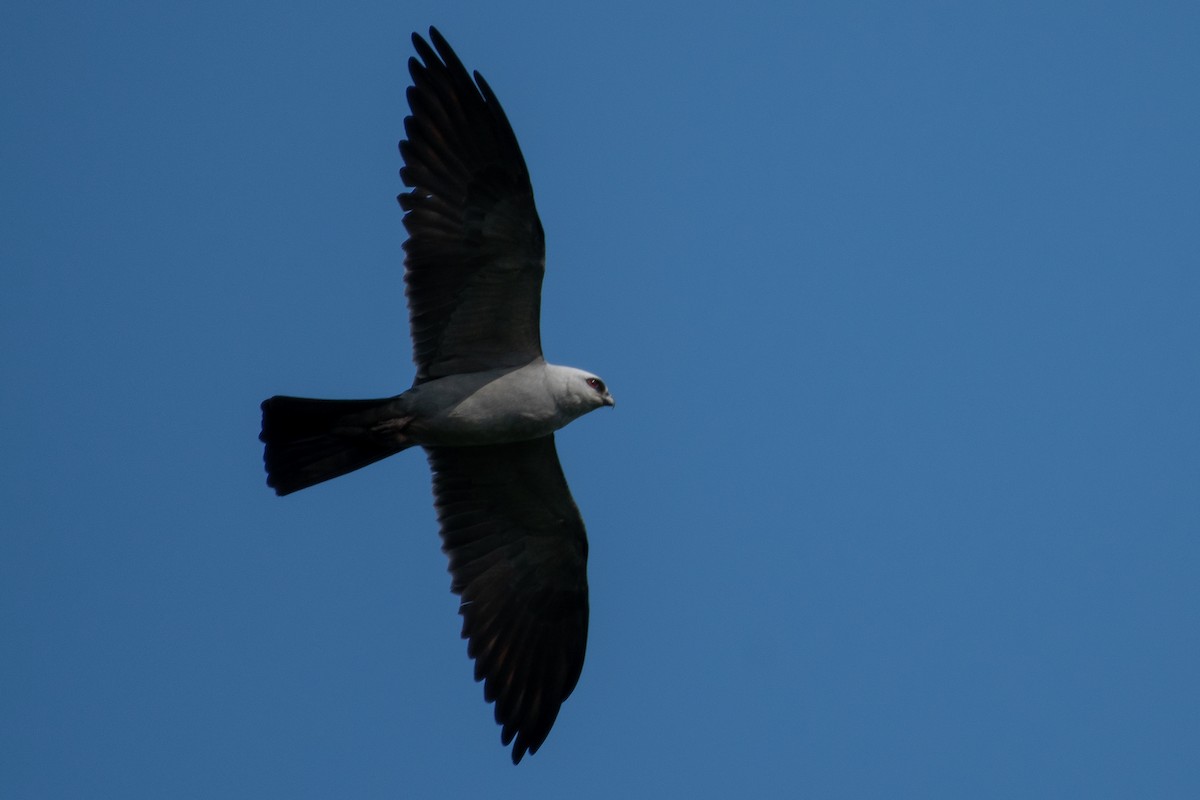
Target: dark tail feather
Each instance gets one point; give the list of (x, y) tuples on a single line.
[(310, 441)]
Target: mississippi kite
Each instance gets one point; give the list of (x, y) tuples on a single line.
[(484, 404)]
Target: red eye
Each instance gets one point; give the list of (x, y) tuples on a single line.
[(596, 384)]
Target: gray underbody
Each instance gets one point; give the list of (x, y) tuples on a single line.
[(492, 407)]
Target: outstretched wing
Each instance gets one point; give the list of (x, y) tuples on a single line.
[(475, 251), (518, 559)]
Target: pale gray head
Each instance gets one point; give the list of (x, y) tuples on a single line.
[(580, 390), (600, 394)]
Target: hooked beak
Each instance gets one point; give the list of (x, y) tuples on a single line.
[(609, 400)]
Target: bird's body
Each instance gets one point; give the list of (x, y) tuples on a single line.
[(499, 406), (485, 404)]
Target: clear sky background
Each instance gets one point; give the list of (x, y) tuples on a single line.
[(901, 306)]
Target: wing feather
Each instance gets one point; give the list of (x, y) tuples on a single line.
[(518, 559), (475, 255)]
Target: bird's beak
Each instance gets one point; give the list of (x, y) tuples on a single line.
[(610, 401)]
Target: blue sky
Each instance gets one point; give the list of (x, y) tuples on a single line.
[(899, 302)]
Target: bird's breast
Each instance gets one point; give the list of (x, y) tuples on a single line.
[(483, 408)]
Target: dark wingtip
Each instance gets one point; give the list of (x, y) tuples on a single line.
[(438, 40)]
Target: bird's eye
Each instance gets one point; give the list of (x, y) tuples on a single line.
[(596, 384)]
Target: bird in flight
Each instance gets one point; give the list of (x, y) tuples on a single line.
[(484, 404)]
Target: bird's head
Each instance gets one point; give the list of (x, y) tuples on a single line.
[(599, 391), (582, 391)]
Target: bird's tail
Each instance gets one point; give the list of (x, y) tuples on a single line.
[(309, 441)]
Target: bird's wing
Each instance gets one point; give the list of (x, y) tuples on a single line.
[(518, 559), (475, 250)]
